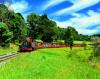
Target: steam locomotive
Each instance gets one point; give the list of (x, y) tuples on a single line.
[(28, 45)]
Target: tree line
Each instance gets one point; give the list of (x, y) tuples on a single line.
[(14, 28)]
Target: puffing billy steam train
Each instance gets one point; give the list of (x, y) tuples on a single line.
[(28, 45)]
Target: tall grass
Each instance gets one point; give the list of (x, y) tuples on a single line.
[(53, 63)]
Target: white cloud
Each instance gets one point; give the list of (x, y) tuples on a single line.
[(77, 6), (77, 15), (20, 6), (64, 24), (82, 22), (51, 3), (80, 30), (86, 31), (87, 21), (8, 4)]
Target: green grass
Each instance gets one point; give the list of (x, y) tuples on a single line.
[(81, 42), (12, 48), (51, 63)]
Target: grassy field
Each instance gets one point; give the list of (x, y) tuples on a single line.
[(51, 63), (12, 48), (81, 42)]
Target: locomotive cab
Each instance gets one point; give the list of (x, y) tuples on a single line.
[(26, 45)]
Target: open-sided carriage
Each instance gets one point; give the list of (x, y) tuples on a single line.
[(28, 45)]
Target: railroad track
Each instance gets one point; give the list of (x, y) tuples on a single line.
[(8, 56)]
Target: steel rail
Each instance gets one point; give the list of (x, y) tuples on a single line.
[(7, 56)]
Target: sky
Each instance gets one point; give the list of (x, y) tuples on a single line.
[(83, 15)]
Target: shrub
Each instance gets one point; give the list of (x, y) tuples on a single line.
[(97, 50), (96, 44)]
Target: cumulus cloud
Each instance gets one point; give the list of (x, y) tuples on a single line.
[(20, 6), (87, 31), (51, 3), (82, 22), (77, 6), (64, 24), (87, 21), (80, 30)]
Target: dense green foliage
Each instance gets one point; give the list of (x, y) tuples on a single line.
[(84, 37), (5, 34), (68, 36), (98, 35), (15, 23), (96, 43), (42, 27), (18, 27)]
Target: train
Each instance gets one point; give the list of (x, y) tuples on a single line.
[(29, 45)]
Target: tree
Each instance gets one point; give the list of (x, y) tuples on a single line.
[(60, 32), (98, 35), (82, 37), (5, 35), (15, 22), (69, 37), (71, 32), (18, 27), (3, 11), (41, 26), (33, 22), (74, 33), (48, 28)]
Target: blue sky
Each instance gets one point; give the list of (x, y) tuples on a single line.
[(84, 15)]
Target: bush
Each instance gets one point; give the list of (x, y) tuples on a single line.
[(96, 50)]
